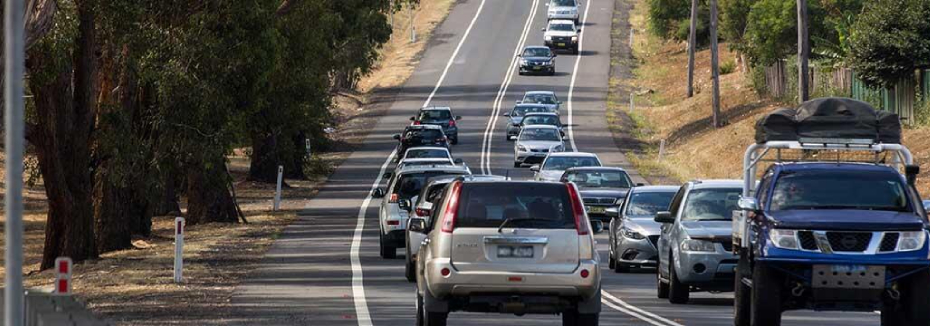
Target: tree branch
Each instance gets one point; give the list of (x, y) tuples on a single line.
[(285, 7)]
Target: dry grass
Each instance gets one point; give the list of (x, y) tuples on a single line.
[(695, 149)]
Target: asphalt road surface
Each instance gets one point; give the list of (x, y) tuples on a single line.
[(325, 269)]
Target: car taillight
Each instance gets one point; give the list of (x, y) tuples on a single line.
[(441, 139), (416, 123), (581, 222), (448, 216), (451, 123), (393, 198), (585, 273), (422, 212), (393, 222)]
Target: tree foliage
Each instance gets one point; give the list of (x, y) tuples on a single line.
[(890, 39)]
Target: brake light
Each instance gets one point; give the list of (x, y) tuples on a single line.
[(581, 222), (451, 123), (443, 139), (393, 222), (585, 273), (448, 216), (422, 212), (393, 198), (416, 123)]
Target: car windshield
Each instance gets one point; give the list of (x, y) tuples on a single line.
[(839, 190), (561, 27), (540, 134), (519, 111), (410, 184), (541, 120), (563, 3), (539, 99), (537, 52), (435, 115), (426, 153), (543, 206), (599, 179), (565, 162), (711, 204), (647, 204), (423, 135)]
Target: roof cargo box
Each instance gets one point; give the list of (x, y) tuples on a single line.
[(830, 118), (778, 125), (889, 127)]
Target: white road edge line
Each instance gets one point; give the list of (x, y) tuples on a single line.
[(502, 91), (358, 286), (571, 85), (638, 310), (631, 313)]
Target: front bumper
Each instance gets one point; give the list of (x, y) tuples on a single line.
[(562, 45), (537, 69), (641, 252), (463, 284), (598, 212), (708, 269), (530, 157)]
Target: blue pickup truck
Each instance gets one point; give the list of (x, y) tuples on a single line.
[(831, 224)]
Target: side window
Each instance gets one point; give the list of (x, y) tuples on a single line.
[(765, 187), (676, 201), (438, 207)]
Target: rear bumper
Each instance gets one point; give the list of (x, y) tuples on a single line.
[(464, 284)]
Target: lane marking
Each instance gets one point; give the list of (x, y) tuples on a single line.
[(631, 313), (502, 91), (628, 306), (571, 85), (358, 285)]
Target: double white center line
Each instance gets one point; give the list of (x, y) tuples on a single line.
[(622, 306)]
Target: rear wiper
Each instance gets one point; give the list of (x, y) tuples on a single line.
[(500, 229)]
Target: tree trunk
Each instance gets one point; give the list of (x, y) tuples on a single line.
[(294, 166), (65, 107), (208, 194), (167, 203), (264, 161), (112, 220)]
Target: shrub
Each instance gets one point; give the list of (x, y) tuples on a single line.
[(728, 67)]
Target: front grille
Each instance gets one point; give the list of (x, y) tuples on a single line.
[(655, 240), (807, 240), (727, 245), (890, 241), (849, 241), (601, 201), (543, 150), (561, 39), (590, 200)]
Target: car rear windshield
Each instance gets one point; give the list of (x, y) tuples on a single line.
[(599, 179), (562, 27), (565, 162), (839, 190), (539, 98), (541, 120), (527, 205), (537, 52), (647, 204), (435, 115), (426, 135), (520, 111), (426, 153), (540, 134), (714, 204), (410, 184)]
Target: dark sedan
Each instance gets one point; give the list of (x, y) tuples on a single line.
[(537, 59), (440, 116), (420, 135), (601, 188)]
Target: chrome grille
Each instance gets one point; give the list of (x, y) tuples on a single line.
[(849, 241)]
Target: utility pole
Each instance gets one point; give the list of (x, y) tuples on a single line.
[(804, 50), (692, 46), (14, 52), (714, 64)]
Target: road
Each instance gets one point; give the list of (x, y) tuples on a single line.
[(325, 270)]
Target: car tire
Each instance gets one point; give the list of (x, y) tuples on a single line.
[(911, 308), (573, 318), (454, 141), (621, 267), (409, 267), (678, 293), (575, 50), (520, 72), (517, 164), (612, 263), (742, 300), (426, 317), (661, 287), (387, 251), (765, 307)]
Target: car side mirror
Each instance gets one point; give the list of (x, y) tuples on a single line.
[(534, 168), (458, 117), (507, 114), (748, 204), (404, 204), (579, 30), (413, 118), (416, 224), (387, 175), (911, 172), (927, 204), (377, 193), (542, 29), (518, 101), (396, 136), (612, 212), (458, 161), (664, 217)]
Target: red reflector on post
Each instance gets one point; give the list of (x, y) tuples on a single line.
[(62, 286), (585, 273), (64, 267)]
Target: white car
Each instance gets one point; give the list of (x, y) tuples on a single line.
[(427, 152), (563, 9), (535, 142), (561, 34), (555, 164)]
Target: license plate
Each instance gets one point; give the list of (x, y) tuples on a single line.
[(848, 268), (537, 67), (596, 209), (561, 44), (515, 251)]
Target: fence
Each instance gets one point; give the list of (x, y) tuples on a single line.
[(903, 98)]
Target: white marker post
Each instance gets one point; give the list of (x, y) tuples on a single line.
[(63, 276), (309, 149), (178, 249), (661, 149), (631, 39), (277, 191), (631, 102)]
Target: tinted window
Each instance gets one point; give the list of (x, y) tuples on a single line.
[(409, 185), (711, 204), (426, 153), (599, 179), (537, 52), (539, 99), (839, 190), (543, 206), (565, 162), (520, 111), (540, 134), (424, 135), (647, 204), (541, 120), (435, 115)]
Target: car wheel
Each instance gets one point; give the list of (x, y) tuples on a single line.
[(573, 318), (620, 267), (420, 309), (516, 164), (575, 50), (409, 268), (678, 293), (520, 72), (612, 263), (765, 308), (742, 295), (455, 141), (387, 251), (661, 287), (427, 318), (910, 309)]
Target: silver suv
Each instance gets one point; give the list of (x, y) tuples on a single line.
[(404, 185), (517, 247), (695, 245)]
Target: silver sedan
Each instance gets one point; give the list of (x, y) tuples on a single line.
[(633, 230), (535, 142)]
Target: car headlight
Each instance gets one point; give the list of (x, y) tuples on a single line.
[(574, 39), (619, 201), (548, 37), (523, 62), (697, 245), (627, 233), (547, 63), (558, 148), (784, 239), (521, 148), (911, 241)]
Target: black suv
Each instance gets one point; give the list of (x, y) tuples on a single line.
[(420, 135), (440, 116)]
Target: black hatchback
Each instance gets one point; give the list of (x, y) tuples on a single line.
[(420, 135)]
